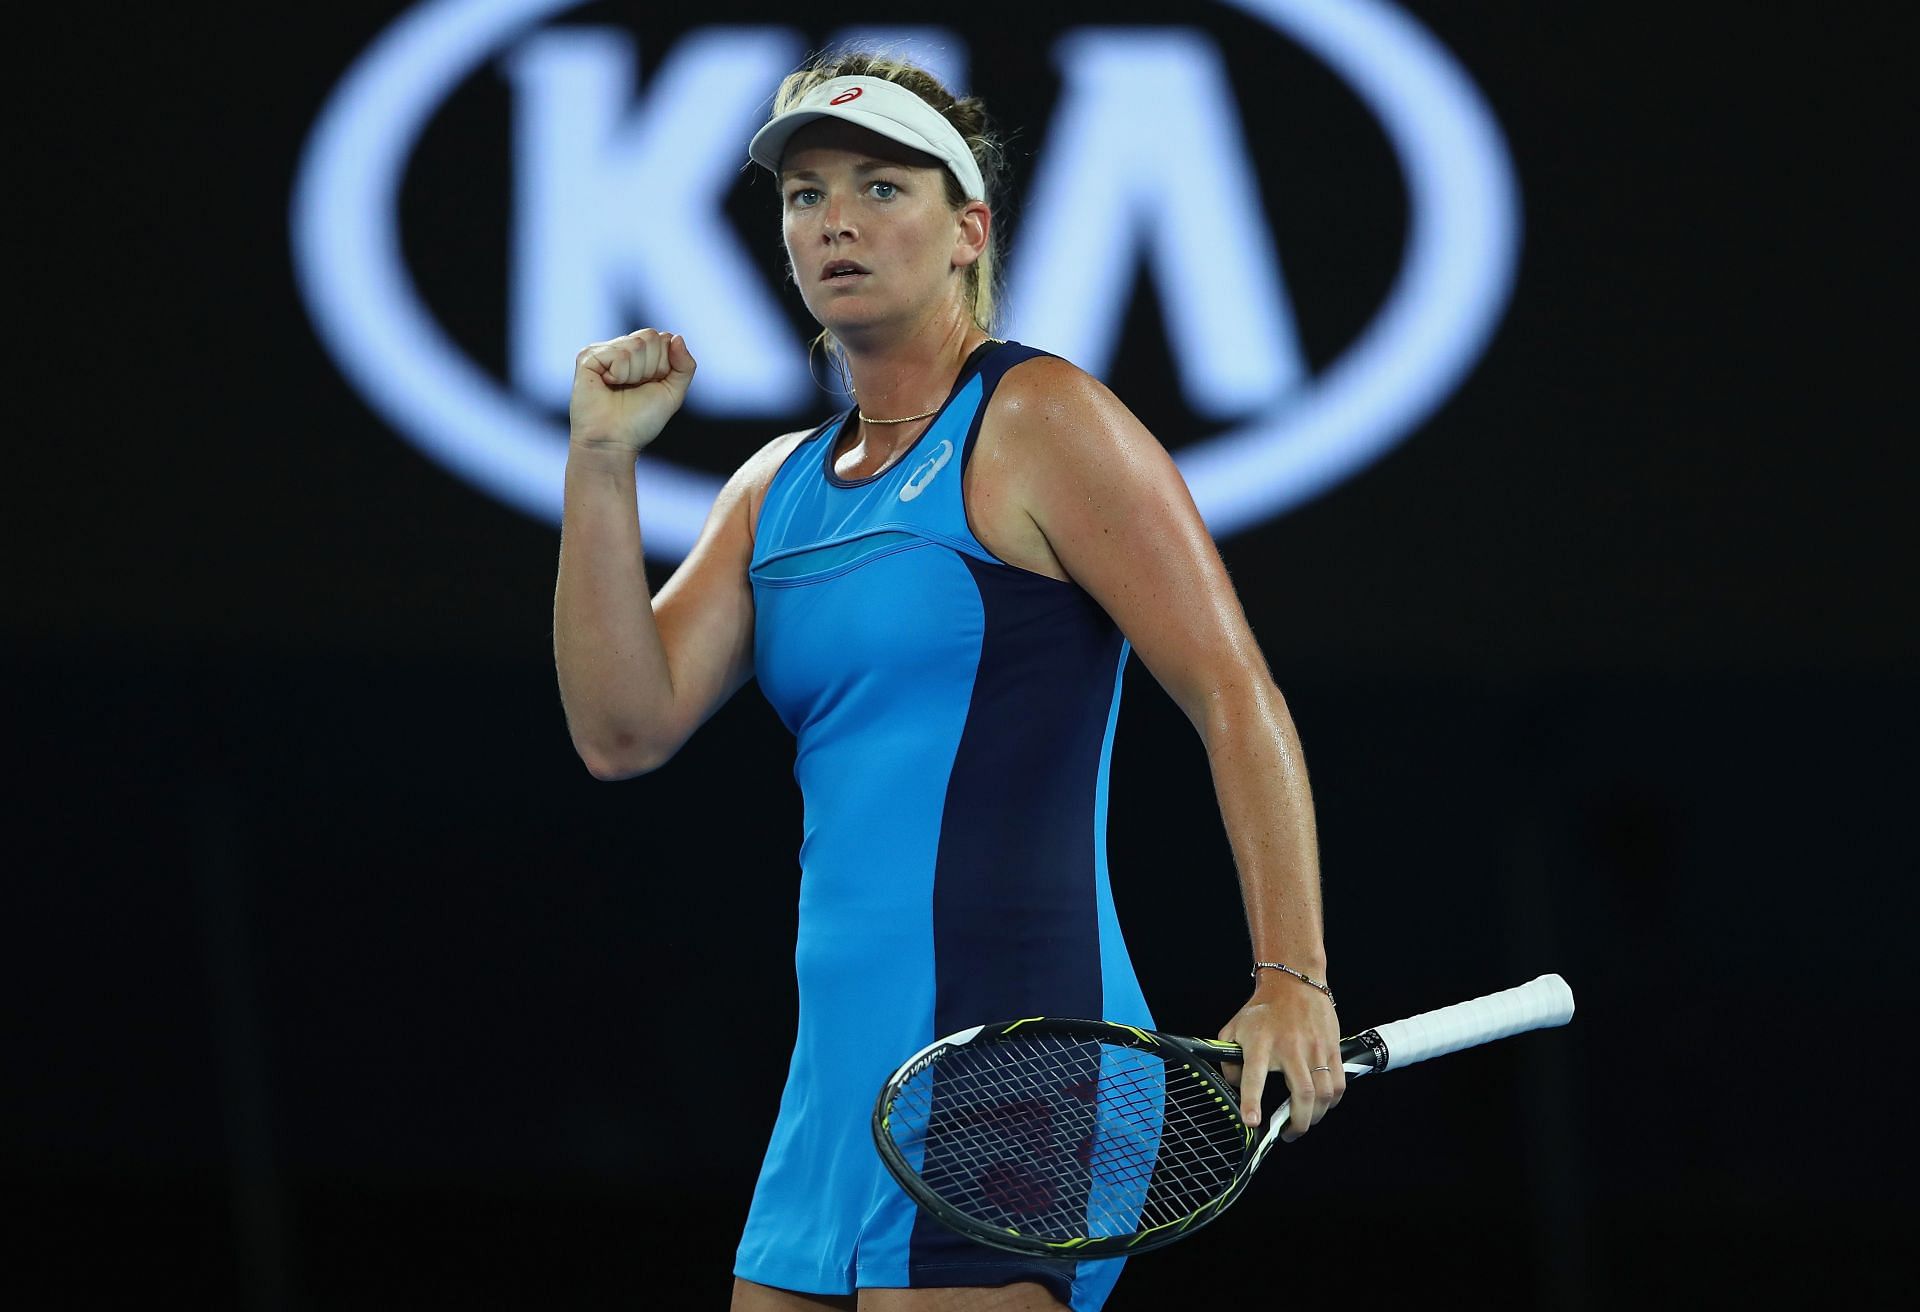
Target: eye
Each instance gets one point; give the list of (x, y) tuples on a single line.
[(804, 196), (883, 190)]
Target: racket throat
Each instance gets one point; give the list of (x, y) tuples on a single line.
[(1354, 1067)]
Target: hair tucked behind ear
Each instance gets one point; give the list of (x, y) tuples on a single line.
[(969, 118)]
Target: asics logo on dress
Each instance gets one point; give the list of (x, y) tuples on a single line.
[(917, 481)]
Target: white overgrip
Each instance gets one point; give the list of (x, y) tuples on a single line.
[(1543, 1002)]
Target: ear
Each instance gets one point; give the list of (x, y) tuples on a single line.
[(973, 230)]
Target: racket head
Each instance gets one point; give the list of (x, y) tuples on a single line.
[(1066, 1138)]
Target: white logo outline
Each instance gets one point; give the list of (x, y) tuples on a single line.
[(1448, 295), (931, 467)]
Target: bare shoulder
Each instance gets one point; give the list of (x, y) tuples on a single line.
[(1053, 399), (1051, 420), (1049, 429), (1052, 427), (757, 470)]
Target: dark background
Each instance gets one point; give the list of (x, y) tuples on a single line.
[(335, 982)]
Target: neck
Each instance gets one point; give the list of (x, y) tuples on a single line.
[(906, 374)]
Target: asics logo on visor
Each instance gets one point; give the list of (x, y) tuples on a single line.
[(852, 94)]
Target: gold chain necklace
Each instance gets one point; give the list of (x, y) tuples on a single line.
[(868, 419), (909, 419)]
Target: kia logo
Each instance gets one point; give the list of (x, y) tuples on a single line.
[(1125, 182)]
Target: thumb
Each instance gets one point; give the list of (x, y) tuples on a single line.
[(680, 360)]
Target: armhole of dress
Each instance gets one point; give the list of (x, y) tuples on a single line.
[(781, 480), (832, 425), (990, 377)]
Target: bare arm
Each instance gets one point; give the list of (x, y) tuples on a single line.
[(639, 674), (1119, 519)]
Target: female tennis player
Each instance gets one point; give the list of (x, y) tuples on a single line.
[(937, 590)]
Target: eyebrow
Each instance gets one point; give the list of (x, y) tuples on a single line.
[(864, 166)]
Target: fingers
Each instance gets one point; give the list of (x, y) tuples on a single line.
[(1300, 1044), (679, 358), (1230, 1069), (1315, 1093), (1334, 1081), (636, 358), (1304, 1105), (1253, 1080), (646, 356)]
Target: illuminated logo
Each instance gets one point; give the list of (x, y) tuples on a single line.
[(1126, 182), (917, 481)]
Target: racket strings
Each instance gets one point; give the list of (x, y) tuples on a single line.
[(1060, 1138)]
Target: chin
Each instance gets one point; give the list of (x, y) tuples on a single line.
[(844, 318)]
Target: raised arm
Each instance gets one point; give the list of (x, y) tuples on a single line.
[(1121, 523), (639, 674)]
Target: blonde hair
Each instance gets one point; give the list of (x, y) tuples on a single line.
[(968, 117)]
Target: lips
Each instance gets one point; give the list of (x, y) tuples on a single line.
[(840, 270)]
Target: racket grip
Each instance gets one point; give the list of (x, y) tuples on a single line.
[(1544, 1002)]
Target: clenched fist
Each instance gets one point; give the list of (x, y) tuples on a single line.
[(625, 390)]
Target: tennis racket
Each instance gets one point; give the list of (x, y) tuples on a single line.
[(1083, 1139)]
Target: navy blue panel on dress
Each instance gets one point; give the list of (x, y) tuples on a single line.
[(1015, 908), (1014, 885)]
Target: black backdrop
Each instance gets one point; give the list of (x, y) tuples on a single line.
[(335, 980)]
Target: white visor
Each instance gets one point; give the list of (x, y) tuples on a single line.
[(878, 106)]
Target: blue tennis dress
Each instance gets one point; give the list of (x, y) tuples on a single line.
[(954, 718)]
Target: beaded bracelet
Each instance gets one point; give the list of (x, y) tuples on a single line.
[(1308, 980)]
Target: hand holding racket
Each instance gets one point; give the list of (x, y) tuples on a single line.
[(1287, 1029), (1080, 1139)]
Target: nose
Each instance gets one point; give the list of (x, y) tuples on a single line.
[(834, 223)]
